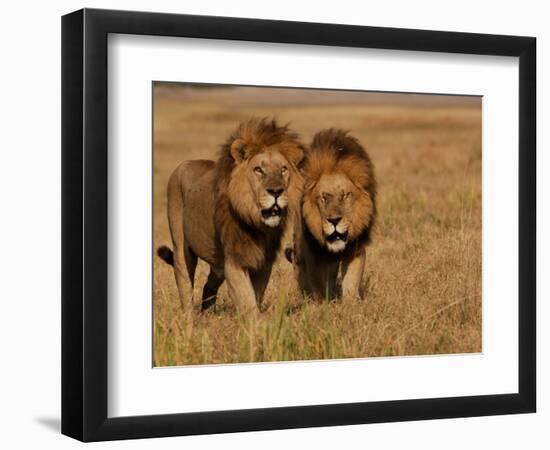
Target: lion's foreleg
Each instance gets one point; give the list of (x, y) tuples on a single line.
[(240, 288), (260, 280), (352, 273), (210, 289)]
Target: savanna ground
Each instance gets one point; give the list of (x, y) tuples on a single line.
[(423, 271)]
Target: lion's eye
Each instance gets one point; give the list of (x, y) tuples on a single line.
[(324, 197), (347, 194), (284, 170), (258, 170)]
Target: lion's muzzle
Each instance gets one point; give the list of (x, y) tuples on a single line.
[(273, 206), (274, 211), (336, 235), (271, 216)]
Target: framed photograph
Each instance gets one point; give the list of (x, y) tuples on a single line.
[(273, 224)]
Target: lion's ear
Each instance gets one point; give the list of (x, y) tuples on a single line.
[(238, 150)]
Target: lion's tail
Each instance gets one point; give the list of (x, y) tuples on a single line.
[(166, 254)]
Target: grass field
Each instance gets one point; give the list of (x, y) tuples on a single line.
[(423, 267)]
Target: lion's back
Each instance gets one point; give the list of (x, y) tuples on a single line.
[(190, 173)]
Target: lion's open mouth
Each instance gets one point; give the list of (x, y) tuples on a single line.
[(336, 236), (274, 211)]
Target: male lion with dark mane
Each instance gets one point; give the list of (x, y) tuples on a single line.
[(337, 215), (232, 213)]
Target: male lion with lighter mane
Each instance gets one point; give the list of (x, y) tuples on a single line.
[(232, 213), (337, 215)]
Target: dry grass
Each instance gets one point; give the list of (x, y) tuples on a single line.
[(423, 268)]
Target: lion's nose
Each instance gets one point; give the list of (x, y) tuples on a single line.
[(275, 192), (335, 220)]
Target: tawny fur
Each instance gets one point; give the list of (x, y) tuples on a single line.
[(215, 212), (337, 169)]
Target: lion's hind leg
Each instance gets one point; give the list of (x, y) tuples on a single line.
[(183, 258), (191, 261), (260, 280), (185, 264), (210, 290)]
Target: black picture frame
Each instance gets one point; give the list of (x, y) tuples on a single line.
[(84, 224)]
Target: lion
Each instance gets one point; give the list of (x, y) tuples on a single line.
[(232, 213), (338, 211)]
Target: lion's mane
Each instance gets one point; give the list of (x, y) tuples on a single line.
[(237, 215)]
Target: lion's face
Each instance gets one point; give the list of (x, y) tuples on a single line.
[(335, 194), (269, 176), (332, 210), (260, 184)]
